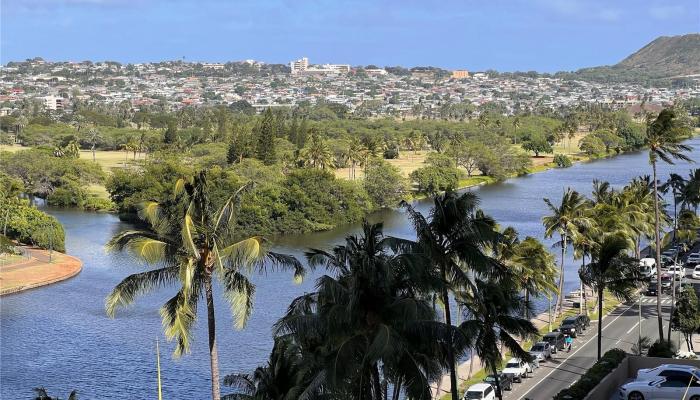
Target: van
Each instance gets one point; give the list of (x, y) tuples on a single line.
[(647, 267)]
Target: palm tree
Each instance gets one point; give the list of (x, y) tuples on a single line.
[(677, 186), (564, 220), (20, 124), (663, 136), (42, 394), (193, 244), (456, 238), (318, 154), (516, 125), (483, 121), (491, 309), (370, 322), (613, 270), (535, 270), (93, 136), (354, 155), (280, 379)]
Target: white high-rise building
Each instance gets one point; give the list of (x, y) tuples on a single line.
[(300, 65)]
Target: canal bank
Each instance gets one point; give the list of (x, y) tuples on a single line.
[(39, 268)]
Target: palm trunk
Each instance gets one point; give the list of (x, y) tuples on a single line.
[(526, 311), (450, 350), (213, 354), (376, 385), (600, 321), (560, 297), (499, 392), (658, 253), (397, 389)]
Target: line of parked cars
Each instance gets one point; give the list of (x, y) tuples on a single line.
[(517, 369), (666, 382)]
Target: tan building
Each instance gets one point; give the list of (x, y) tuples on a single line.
[(460, 74)]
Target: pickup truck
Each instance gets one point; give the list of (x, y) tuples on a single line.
[(518, 369)]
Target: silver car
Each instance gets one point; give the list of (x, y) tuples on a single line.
[(541, 351), (668, 388)]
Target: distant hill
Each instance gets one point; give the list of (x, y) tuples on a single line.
[(664, 60)]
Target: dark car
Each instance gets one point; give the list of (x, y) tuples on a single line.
[(555, 340), (577, 322), (584, 321), (504, 380), (652, 289), (569, 328)]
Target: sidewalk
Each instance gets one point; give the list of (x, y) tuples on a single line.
[(37, 270), (468, 368)]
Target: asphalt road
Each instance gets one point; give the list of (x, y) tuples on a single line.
[(620, 330)]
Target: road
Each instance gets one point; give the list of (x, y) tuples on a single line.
[(620, 330)]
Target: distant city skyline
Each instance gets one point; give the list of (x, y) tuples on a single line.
[(541, 35)]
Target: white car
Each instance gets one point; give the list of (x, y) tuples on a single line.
[(677, 270), (480, 391), (696, 272), (665, 370), (669, 388), (518, 369)]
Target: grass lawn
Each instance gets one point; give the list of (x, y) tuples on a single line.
[(13, 148), (111, 159)]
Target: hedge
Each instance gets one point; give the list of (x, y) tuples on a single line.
[(28, 225), (610, 360)]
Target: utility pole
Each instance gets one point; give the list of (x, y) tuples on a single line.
[(550, 312)]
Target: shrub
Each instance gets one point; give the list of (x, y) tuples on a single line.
[(27, 224), (662, 348), (391, 152), (580, 389), (433, 179), (562, 161)]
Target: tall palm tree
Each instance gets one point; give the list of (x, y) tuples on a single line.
[(535, 270), (193, 244), (675, 184), (370, 322), (355, 155), (663, 136), (491, 319), (93, 135), (564, 219), (516, 125), (613, 270), (456, 238)]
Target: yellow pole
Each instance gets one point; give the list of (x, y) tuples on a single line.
[(160, 390)]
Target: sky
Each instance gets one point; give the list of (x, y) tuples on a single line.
[(506, 35)]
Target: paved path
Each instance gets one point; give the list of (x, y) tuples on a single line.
[(38, 270)]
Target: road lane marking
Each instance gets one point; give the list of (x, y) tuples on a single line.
[(574, 353), (630, 330)]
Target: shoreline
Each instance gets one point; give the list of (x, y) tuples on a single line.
[(37, 271)]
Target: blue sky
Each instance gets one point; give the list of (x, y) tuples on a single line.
[(507, 35)]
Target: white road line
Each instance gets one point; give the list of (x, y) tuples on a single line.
[(574, 353), (630, 330)]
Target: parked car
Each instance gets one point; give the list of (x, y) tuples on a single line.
[(693, 259), (677, 270), (669, 388), (480, 391), (665, 370), (666, 281), (584, 320), (647, 266), (541, 351), (518, 369), (666, 261), (570, 326), (696, 272), (555, 340), (652, 289), (505, 381)]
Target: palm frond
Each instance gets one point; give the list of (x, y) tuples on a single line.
[(134, 285)]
